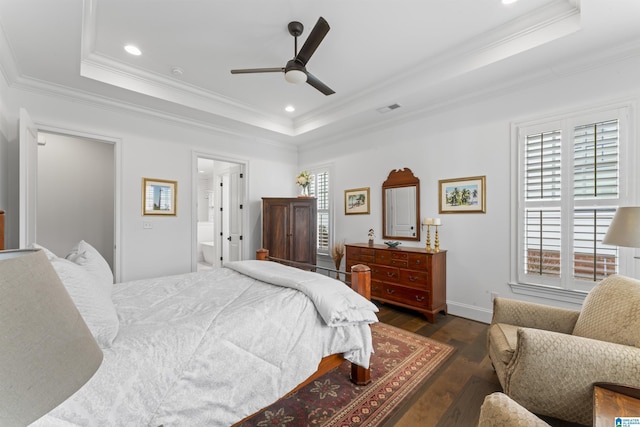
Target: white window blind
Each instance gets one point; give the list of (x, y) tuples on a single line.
[(570, 173), (320, 190)]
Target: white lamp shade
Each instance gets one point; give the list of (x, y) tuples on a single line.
[(46, 350), (625, 228), (295, 76)]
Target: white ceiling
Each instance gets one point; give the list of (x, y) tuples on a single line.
[(421, 54)]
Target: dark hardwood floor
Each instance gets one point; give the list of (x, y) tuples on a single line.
[(453, 395)]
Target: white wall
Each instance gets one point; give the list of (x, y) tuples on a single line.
[(155, 148), (466, 140)]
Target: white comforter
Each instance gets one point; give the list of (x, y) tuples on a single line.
[(208, 349)]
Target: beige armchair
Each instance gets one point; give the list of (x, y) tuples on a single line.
[(499, 410), (547, 358)]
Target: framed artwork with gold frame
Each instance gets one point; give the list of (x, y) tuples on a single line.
[(159, 197), (356, 201), (462, 195)]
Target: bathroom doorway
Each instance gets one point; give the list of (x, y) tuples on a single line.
[(220, 203)]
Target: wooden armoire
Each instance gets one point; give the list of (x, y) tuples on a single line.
[(289, 227)]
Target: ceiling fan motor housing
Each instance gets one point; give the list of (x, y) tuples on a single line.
[(295, 28)]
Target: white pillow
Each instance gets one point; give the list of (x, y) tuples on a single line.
[(90, 259), (93, 301)]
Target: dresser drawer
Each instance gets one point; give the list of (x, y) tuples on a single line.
[(410, 296), (377, 289), (383, 272), (362, 255), (399, 259), (419, 279), (418, 261)]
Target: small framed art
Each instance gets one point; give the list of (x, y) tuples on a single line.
[(159, 197), (462, 195), (356, 201)]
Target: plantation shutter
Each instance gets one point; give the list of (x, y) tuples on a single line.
[(596, 176), (542, 191), (320, 189)]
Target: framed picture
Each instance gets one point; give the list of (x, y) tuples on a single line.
[(159, 196), (356, 201), (462, 195)]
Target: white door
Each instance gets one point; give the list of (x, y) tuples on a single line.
[(28, 172), (234, 219)]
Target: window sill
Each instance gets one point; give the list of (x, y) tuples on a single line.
[(549, 292)]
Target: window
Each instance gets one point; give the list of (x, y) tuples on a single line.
[(571, 180), (320, 190)]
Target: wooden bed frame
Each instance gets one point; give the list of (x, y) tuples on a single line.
[(361, 283)]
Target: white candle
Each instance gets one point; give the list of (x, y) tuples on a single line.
[(436, 221), (428, 221)]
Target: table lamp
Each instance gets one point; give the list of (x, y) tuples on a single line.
[(625, 228), (46, 350)]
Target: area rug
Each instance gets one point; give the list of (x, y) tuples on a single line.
[(402, 361)]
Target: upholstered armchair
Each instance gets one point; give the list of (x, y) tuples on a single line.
[(548, 358), (499, 410)]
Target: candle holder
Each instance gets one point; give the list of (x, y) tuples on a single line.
[(437, 242), (428, 243)]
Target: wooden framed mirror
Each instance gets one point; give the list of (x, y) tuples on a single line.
[(401, 206)]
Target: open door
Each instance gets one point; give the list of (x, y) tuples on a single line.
[(233, 228), (28, 172)]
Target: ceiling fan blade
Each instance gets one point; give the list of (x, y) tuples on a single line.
[(258, 70), (313, 41), (313, 81)]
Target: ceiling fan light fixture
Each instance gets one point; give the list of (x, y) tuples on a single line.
[(295, 76)]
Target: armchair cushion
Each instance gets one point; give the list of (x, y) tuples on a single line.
[(553, 374), (611, 312)]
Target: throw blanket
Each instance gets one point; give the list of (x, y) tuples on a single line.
[(338, 304)]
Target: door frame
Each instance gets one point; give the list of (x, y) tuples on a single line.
[(194, 197), (117, 205)]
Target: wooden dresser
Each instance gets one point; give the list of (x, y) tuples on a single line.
[(289, 228), (408, 277)]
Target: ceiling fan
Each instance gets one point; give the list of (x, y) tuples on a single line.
[(295, 71)]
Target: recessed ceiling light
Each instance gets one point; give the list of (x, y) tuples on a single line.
[(133, 50), (508, 1), (289, 109)]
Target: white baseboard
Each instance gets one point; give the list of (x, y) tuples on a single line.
[(469, 312)]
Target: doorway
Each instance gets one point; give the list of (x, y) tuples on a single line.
[(75, 194), (220, 212)]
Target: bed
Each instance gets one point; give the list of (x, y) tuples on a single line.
[(208, 348)]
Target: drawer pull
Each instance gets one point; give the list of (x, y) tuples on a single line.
[(413, 278), (391, 274), (417, 261), (419, 298), (391, 291), (375, 288)]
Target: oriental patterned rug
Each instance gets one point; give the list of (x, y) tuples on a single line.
[(402, 361)]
